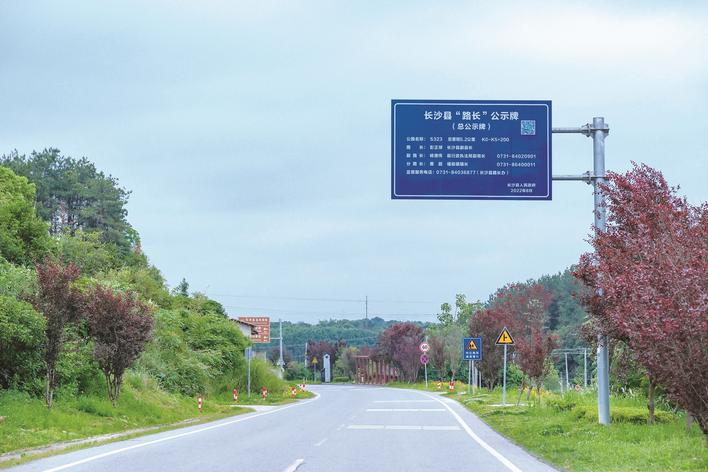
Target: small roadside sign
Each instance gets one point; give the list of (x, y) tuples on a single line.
[(424, 359), (424, 347), (314, 361), (472, 349), (505, 338)]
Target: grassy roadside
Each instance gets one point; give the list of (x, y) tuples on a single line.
[(563, 431), (28, 423)]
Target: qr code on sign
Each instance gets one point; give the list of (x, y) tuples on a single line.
[(528, 127)]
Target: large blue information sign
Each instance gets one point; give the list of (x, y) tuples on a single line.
[(467, 149)]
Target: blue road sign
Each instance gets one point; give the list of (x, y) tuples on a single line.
[(472, 349), (465, 149)]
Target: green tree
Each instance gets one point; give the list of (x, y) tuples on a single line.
[(73, 195), (23, 236)]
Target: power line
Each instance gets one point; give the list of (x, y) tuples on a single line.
[(318, 299)]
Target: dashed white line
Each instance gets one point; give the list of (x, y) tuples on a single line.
[(405, 409), (404, 401), (318, 444), (293, 467), (403, 427)]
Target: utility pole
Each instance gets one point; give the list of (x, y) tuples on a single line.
[(366, 307), (567, 379)]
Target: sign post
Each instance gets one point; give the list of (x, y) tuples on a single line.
[(505, 340), (471, 351), (314, 366), (424, 348)]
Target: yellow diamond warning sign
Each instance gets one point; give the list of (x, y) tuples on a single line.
[(471, 346), (505, 338)]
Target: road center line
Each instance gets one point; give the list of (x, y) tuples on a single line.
[(479, 440), (317, 444), (405, 409), (293, 467), (180, 435), (404, 401), (404, 427)]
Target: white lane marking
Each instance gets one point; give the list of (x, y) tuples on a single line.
[(404, 401), (317, 444), (180, 435), (441, 428), (403, 427), (293, 467), (479, 440), (340, 427), (405, 409)]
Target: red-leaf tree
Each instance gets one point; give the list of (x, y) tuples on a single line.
[(120, 326), (521, 308), (487, 324), (648, 283), (399, 345), (317, 349), (60, 303)]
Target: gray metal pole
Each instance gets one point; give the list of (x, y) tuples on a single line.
[(426, 375), (469, 376), (599, 132), (281, 361), (504, 384), (567, 379), (248, 353), (585, 368)]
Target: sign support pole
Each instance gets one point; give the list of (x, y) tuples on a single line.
[(598, 130), (504, 385), (426, 375), (469, 376)]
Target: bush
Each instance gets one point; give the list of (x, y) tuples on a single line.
[(21, 341), (194, 353)]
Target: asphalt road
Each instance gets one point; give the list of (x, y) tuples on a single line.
[(346, 428)]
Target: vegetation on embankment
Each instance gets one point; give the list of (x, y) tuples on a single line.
[(28, 423)]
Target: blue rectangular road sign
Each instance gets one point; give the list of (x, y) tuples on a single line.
[(472, 349), (465, 149)]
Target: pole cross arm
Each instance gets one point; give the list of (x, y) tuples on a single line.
[(586, 177), (587, 129)]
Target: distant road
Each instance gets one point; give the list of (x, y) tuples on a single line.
[(347, 428)]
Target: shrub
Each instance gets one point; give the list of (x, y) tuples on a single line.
[(624, 414), (21, 340)]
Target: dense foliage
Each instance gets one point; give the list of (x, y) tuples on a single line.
[(93, 307), (649, 266)]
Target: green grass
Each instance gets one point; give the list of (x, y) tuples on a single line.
[(29, 424), (563, 431), (569, 436)]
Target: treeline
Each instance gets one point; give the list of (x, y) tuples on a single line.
[(73, 274)]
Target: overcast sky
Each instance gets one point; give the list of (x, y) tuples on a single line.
[(255, 136)]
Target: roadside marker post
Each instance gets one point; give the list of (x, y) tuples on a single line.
[(424, 348), (439, 384), (293, 392), (199, 403), (264, 393), (451, 385), (505, 340), (235, 394)]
